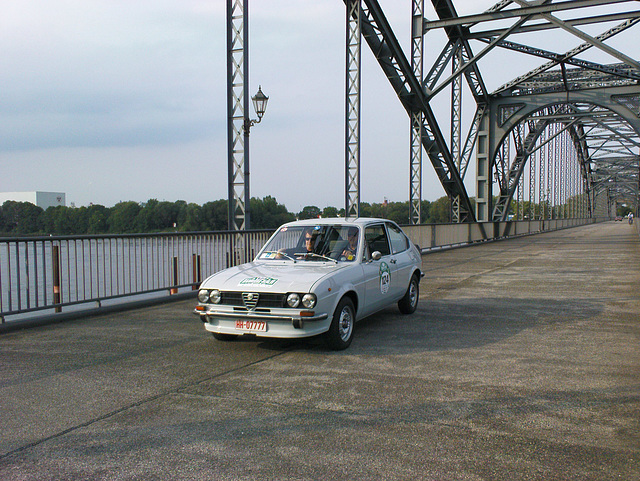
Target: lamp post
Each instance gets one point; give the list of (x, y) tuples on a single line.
[(237, 204), (260, 106)]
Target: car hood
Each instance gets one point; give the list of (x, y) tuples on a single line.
[(272, 276)]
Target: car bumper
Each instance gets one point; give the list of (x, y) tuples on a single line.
[(279, 323)]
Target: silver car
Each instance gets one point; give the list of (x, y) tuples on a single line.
[(313, 277)]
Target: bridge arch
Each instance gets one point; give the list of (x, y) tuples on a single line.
[(601, 129)]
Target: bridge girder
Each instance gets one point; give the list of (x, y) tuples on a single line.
[(604, 127), (591, 130), (386, 49)]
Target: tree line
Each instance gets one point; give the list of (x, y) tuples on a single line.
[(25, 218)]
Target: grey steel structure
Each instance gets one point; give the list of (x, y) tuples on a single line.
[(416, 116), (352, 109), (415, 99), (547, 143), (237, 112)]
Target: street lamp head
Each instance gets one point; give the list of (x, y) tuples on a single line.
[(260, 103)]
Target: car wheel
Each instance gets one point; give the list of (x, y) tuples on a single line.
[(340, 332), (223, 337), (409, 302)]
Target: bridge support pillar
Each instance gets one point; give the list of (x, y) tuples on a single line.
[(483, 169)]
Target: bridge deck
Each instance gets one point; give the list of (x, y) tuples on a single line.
[(522, 362)]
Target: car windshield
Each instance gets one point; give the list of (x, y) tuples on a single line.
[(335, 243)]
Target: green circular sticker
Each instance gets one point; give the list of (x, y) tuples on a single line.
[(385, 277)]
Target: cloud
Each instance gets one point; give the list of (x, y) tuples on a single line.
[(108, 73)]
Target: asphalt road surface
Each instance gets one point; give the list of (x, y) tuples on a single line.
[(522, 362)]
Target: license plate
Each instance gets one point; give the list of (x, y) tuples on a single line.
[(260, 326)]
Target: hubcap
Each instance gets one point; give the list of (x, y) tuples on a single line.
[(346, 323), (413, 294)]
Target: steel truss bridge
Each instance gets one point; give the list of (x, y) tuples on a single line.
[(559, 141)]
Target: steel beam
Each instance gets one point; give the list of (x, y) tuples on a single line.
[(537, 27), (536, 10), (594, 41), (237, 113), (386, 49), (416, 116), (352, 122)]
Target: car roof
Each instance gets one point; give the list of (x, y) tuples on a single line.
[(361, 221)]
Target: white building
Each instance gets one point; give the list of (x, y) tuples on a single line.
[(41, 199)]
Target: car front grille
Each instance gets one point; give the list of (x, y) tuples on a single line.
[(253, 300)]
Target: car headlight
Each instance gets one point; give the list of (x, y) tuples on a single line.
[(203, 295), (293, 300), (309, 301), (215, 296)]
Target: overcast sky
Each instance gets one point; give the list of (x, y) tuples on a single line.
[(116, 100)]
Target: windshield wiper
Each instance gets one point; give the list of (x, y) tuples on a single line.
[(306, 255)]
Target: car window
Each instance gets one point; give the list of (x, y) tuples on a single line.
[(399, 242), (376, 239), (345, 246), (313, 243)]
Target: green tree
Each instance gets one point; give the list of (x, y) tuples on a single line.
[(330, 212), (366, 210), (21, 217), (181, 209), (167, 215), (98, 216), (440, 211), (29, 221), (80, 218), (49, 221), (397, 212), (61, 220), (147, 218), (266, 213), (310, 212), (123, 217), (215, 215), (191, 218), (11, 215), (425, 210)]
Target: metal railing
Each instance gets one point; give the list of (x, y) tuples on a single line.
[(46, 274), (52, 273), (437, 236)]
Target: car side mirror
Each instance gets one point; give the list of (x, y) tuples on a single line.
[(376, 256)]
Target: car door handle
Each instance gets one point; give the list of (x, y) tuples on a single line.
[(393, 261)]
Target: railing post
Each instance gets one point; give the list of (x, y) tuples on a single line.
[(55, 259), (174, 289), (197, 272)]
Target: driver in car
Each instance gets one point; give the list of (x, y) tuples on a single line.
[(309, 237)]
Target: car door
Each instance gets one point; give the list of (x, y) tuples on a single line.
[(401, 260), (378, 274)]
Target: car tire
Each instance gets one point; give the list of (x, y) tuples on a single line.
[(409, 302), (223, 337), (340, 333)]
